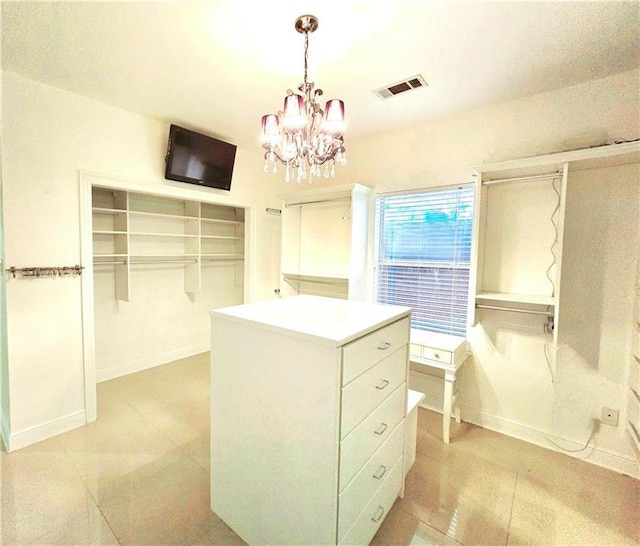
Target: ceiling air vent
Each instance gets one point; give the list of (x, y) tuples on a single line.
[(409, 84)]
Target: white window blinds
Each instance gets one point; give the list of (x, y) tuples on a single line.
[(423, 251)]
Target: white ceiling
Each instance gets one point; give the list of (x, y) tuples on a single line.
[(218, 66)]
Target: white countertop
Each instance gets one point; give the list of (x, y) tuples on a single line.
[(328, 321)]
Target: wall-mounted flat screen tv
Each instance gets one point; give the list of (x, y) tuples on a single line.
[(199, 159)]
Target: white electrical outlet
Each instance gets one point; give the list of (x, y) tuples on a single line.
[(609, 416)]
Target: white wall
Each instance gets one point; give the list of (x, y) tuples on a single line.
[(507, 385), (4, 362), (48, 136)]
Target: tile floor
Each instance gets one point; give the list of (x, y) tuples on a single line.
[(140, 475)]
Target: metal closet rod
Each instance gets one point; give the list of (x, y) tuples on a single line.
[(318, 201), (337, 283), (139, 262), (515, 310), (555, 174)]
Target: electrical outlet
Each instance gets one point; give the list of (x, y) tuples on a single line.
[(609, 416)]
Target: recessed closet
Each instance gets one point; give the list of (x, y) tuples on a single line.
[(162, 258)]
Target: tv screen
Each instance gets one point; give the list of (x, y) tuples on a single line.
[(199, 159)]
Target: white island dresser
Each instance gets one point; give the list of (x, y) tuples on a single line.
[(308, 405)]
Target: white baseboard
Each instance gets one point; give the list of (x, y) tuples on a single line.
[(149, 362), (32, 435), (599, 457)]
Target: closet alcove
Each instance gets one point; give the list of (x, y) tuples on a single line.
[(157, 258)]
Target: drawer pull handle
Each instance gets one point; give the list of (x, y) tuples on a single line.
[(437, 355), (378, 515), (384, 346), (382, 385), (381, 472), (381, 429)]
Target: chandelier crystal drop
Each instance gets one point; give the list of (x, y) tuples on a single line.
[(303, 136)]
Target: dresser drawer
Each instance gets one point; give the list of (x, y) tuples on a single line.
[(359, 355), (363, 394), (371, 476), (369, 435), (370, 519)]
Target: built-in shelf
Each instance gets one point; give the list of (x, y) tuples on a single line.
[(519, 224), (135, 229), (533, 299), (324, 242)]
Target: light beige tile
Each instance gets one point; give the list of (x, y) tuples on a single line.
[(182, 423), (146, 462), (115, 418), (33, 457), (171, 506), (40, 500), (125, 460), (219, 535), (470, 503), (427, 419), (87, 527), (199, 449), (402, 529), (592, 511)]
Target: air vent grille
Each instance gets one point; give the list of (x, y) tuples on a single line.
[(408, 84)]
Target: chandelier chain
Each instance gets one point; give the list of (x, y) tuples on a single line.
[(306, 50)]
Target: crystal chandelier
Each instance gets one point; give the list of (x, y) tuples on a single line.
[(304, 136)]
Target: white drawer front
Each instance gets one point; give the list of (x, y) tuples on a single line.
[(359, 355), (436, 354), (369, 435), (367, 391), (372, 475), (370, 519)]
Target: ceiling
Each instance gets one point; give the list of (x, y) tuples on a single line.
[(218, 66)]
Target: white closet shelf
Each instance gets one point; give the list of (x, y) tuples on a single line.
[(102, 210), (158, 234), (145, 230), (162, 215), (301, 275), (218, 221), (108, 232), (223, 256), (221, 237), (533, 299)]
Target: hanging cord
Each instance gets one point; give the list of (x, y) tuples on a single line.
[(549, 365), (555, 240), (594, 428)]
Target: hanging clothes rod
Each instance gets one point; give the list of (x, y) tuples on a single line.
[(336, 283), (318, 201), (515, 310), (142, 262), (556, 174), (55, 271)]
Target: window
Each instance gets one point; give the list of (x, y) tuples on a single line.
[(423, 253)]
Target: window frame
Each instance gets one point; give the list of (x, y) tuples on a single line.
[(377, 243)]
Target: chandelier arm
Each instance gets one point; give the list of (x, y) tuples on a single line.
[(274, 151), (335, 148)]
